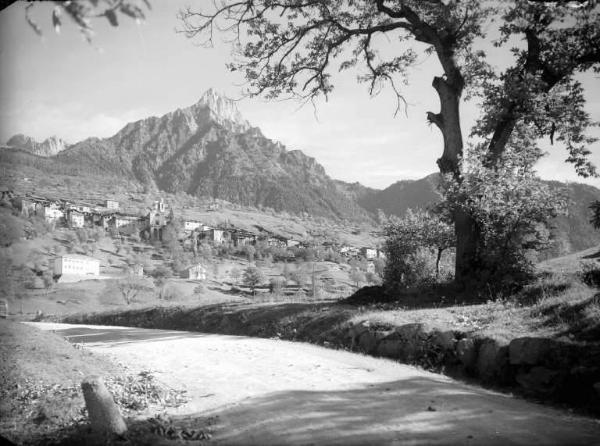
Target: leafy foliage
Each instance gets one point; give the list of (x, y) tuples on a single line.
[(253, 276), (590, 273), (11, 228), (511, 208), (83, 11), (411, 245), (276, 285), (357, 276)]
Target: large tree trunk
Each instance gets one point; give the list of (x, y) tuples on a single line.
[(467, 264), (448, 121)]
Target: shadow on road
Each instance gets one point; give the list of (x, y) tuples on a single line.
[(415, 411), (119, 336)]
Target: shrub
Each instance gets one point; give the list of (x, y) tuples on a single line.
[(590, 273), (169, 293), (299, 276), (373, 278), (11, 229), (356, 276)]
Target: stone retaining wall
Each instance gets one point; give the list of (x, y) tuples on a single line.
[(545, 368)]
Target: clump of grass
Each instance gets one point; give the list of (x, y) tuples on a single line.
[(568, 307), (555, 305)]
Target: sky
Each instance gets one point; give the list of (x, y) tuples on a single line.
[(61, 85)]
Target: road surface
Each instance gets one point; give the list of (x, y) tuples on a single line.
[(265, 391)]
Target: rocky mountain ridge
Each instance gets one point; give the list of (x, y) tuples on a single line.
[(49, 147), (208, 149)]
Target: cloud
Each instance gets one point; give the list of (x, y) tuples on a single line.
[(70, 121)]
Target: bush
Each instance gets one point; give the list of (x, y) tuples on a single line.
[(373, 278), (11, 229), (276, 285), (357, 276), (590, 273), (169, 293)]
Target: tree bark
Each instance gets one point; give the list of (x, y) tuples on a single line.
[(448, 121), (437, 264), (468, 237)]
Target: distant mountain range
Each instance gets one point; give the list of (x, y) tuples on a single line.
[(210, 150)]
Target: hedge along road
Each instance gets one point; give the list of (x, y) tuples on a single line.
[(265, 391)]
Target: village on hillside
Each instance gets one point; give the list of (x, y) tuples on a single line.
[(156, 225)]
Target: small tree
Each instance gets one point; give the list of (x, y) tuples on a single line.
[(299, 276), (170, 240), (357, 276), (276, 285), (130, 287), (235, 274), (286, 271), (253, 276), (409, 242), (379, 265), (160, 275), (170, 293), (373, 278), (250, 251)]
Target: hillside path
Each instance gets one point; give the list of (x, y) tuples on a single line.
[(265, 391)]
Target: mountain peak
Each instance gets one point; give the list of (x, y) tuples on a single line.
[(223, 110)]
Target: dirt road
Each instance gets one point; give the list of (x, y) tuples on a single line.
[(264, 391)]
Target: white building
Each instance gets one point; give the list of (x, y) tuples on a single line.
[(195, 272), (291, 243), (137, 270), (215, 235), (124, 220), (112, 204), (52, 214), (191, 225), (76, 267), (369, 253), (76, 220)]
